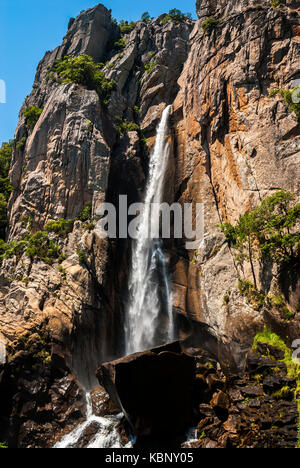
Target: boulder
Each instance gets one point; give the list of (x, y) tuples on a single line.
[(153, 389), (101, 403)]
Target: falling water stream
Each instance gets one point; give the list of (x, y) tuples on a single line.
[(149, 319), (149, 289)]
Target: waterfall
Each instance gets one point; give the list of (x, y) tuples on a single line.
[(149, 319)]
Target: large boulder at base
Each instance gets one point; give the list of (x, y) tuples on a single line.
[(153, 389)]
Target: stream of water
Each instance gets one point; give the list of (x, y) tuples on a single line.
[(105, 433), (149, 289)]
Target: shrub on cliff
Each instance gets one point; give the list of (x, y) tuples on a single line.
[(32, 115), (41, 247), (62, 227), (5, 186), (124, 127), (291, 98), (86, 213), (20, 144), (126, 27), (176, 16), (209, 24), (271, 231), (146, 17), (120, 44), (84, 71)]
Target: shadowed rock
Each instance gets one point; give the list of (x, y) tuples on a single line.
[(153, 389)]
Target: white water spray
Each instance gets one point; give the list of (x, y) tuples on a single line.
[(149, 289), (107, 435)]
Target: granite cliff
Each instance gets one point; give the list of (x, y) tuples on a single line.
[(232, 145)]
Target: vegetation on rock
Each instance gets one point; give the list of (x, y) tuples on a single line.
[(32, 115), (126, 27), (5, 186), (176, 16), (209, 24), (150, 66), (291, 98), (36, 346), (84, 71), (275, 3), (120, 44), (20, 145), (270, 231), (292, 365), (124, 127), (146, 17), (40, 246)]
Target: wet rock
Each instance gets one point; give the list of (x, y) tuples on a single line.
[(101, 403), (88, 435)]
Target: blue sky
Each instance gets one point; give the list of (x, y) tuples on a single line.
[(28, 28)]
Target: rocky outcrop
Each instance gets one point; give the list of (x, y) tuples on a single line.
[(148, 387), (234, 146), (231, 146), (254, 411), (40, 399)]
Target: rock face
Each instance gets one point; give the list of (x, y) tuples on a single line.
[(243, 412), (232, 145), (154, 390)]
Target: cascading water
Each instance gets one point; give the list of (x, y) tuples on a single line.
[(149, 320), (149, 290), (106, 436)]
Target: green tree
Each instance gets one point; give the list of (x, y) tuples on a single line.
[(146, 17), (176, 16), (83, 70), (126, 27), (270, 231)]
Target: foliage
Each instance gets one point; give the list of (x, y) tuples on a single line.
[(271, 230), (176, 16), (35, 345), (275, 3), (3, 215), (255, 298), (124, 127), (209, 24), (32, 115), (5, 186), (84, 71), (293, 367), (39, 245), (120, 44), (289, 97), (136, 110), (20, 145), (86, 213), (150, 66), (42, 248), (81, 257), (146, 17), (62, 227), (126, 27), (90, 126)]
